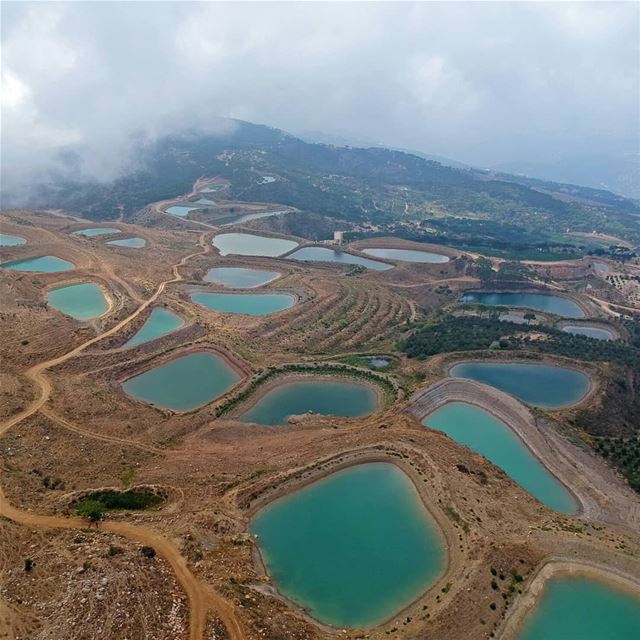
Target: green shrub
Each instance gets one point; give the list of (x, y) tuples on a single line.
[(92, 510)]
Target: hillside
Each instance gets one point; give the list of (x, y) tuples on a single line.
[(376, 185)]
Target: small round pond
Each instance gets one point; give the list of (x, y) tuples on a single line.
[(247, 244), (582, 608), (96, 231), (130, 243), (539, 301), (247, 217), (159, 323), (326, 397), (407, 255), (240, 278), (83, 301), (590, 331), (353, 548), (181, 210), (41, 264), (184, 383), (537, 384), (7, 240), (485, 434), (324, 254), (250, 304)]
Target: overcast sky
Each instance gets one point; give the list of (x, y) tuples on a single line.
[(483, 83)]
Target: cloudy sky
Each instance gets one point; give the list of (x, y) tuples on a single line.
[(492, 84)]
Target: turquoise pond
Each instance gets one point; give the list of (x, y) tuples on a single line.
[(41, 264), (538, 301), (250, 304), (407, 255), (490, 437), (354, 548), (159, 323), (240, 278), (537, 384), (247, 244), (184, 383), (324, 254), (580, 608), (181, 210), (96, 231), (131, 243), (335, 398), (7, 240), (82, 301), (598, 333)]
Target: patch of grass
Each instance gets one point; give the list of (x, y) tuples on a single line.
[(457, 518), (127, 476)]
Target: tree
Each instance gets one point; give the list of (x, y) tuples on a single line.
[(92, 510), (529, 316)]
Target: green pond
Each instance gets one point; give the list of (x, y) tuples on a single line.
[(598, 333), (80, 301), (184, 383), (537, 384), (96, 231), (240, 278), (354, 548), (131, 243), (41, 264), (247, 244), (335, 398), (159, 323), (493, 439), (250, 304), (580, 608), (407, 255), (539, 301), (323, 254), (7, 240)]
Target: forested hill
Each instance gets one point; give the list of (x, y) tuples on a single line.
[(374, 184)]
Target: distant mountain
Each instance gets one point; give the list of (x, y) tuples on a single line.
[(617, 173), (346, 141)]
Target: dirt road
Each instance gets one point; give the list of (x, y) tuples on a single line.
[(202, 597)]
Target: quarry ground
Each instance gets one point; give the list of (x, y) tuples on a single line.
[(64, 416)]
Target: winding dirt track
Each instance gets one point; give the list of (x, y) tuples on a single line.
[(202, 597)]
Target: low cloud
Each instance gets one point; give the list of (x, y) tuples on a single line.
[(484, 83)]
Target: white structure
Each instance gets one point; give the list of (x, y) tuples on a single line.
[(338, 237)]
